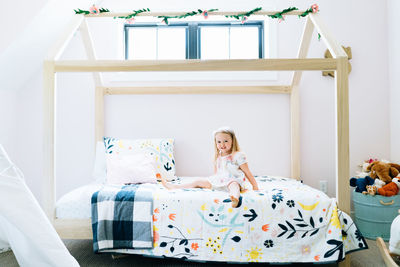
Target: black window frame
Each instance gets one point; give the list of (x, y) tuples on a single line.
[(193, 34)]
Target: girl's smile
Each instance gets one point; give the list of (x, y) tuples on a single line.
[(224, 143)]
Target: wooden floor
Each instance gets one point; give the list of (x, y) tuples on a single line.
[(82, 251)]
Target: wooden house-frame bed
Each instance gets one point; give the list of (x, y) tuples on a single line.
[(81, 229)]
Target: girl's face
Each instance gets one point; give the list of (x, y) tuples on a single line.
[(224, 143)]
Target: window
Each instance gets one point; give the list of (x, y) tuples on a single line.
[(195, 40)]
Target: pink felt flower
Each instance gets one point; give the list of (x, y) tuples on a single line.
[(244, 19), (94, 10), (282, 19), (314, 8), (205, 14), (130, 20)]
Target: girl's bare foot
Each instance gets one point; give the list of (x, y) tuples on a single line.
[(167, 185), (235, 201)]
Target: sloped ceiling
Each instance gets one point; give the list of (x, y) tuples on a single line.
[(24, 56)]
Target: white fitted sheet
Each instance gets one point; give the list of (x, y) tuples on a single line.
[(76, 204)]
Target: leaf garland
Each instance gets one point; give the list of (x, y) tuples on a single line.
[(278, 15), (244, 15), (134, 14), (87, 12), (313, 9), (189, 14)]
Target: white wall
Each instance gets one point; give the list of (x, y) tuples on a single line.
[(257, 119), (26, 12), (8, 111), (394, 78)]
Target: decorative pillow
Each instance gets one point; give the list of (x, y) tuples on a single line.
[(130, 168), (161, 151)]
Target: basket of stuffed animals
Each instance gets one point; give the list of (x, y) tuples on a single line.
[(375, 214), (376, 199)]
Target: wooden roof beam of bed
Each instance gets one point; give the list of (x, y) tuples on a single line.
[(295, 102), (58, 48), (195, 65), (243, 89), (333, 46), (171, 14), (89, 48)]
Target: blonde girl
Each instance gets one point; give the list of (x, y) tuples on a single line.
[(230, 168)]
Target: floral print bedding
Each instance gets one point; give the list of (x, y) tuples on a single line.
[(284, 222)]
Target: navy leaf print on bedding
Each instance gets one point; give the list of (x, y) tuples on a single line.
[(338, 247)]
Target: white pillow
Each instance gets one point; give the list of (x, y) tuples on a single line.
[(100, 165), (161, 150), (130, 168)]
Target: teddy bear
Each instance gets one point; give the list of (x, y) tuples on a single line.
[(390, 189), (383, 171), (361, 183)]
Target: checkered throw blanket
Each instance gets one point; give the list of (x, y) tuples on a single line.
[(122, 217)]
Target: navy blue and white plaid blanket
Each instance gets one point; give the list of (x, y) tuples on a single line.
[(122, 217)]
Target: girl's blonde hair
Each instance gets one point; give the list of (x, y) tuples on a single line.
[(226, 130)]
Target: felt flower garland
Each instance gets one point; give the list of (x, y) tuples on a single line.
[(243, 17), (189, 14), (92, 10), (131, 17), (313, 9)]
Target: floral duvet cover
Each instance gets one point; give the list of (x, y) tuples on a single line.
[(284, 222)]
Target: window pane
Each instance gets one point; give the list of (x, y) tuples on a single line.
[(171, 43), (244, 42), (142, 43), (214, 43)]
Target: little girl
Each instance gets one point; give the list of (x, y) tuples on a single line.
[(230, 168)]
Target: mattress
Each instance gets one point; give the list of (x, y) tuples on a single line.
[(283, 222), (76, 204)]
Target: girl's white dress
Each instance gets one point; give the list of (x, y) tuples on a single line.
[(394, 242), (228, 171)]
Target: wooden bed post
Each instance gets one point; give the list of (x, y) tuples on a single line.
[(49, 117), (342, 143), (342, 114), (295, 102), (342, 109), (99, 113), (49, 139)]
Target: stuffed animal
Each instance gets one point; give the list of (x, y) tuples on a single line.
[(379, 183), (361, 183), (383, 171), (373, 189), (390, 189)]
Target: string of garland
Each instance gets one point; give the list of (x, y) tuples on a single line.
[(244, 16), (313, 9), (93, 10), (189, 14), (134, 14), (279, 15)]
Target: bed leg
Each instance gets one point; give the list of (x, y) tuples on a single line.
[(345, 262)]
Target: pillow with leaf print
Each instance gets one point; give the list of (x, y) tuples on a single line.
[(161, 150)]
